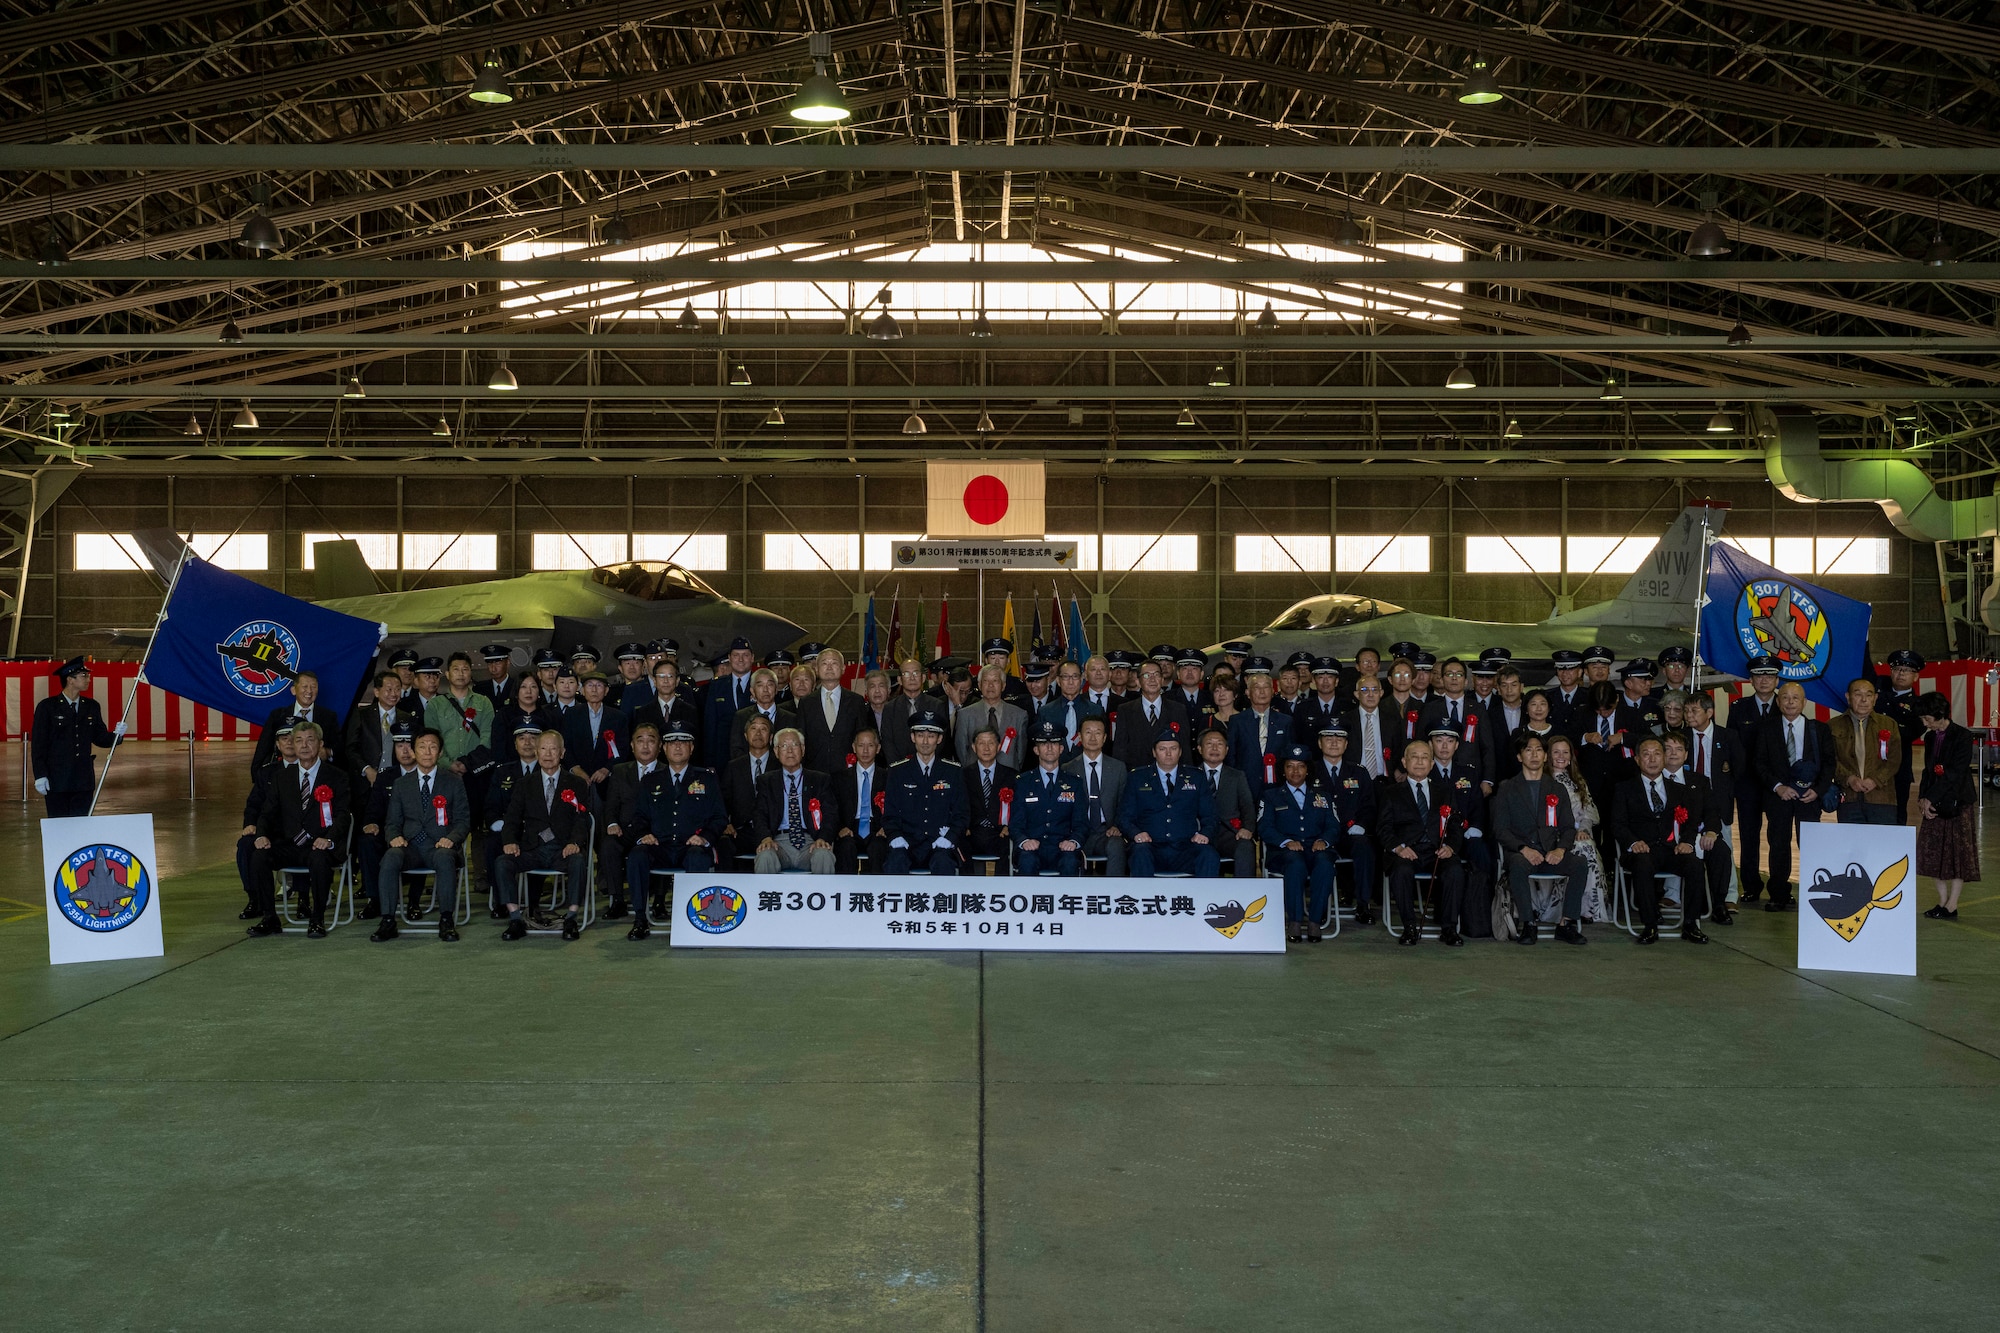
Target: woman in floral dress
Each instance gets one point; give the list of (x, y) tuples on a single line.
[(1548, 903)]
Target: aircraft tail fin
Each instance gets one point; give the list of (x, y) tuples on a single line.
[(339, 570), (1664, 588)]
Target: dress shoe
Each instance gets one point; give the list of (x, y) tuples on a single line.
[(517, 929), (1650, 935), (1569, 932), (1693, 935), (1451, 939), (446, 930), (1364, 916), (270, 925), (316, 929), (1724, 918), (1295, 933), (641, 929), (1410, 935), (541, 921), (659, 905), (371, 910), (1750, 895), (1313, 935), (571, 931), (413, 913), (250, 913), (618, 911), (1529, 931), (385, 929), (1942, 913), (497, 912), (1775, 905)]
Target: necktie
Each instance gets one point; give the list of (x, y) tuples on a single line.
[(549, 791), (1792, 738), (795, 814), (1454, 712), (826, 705), (427, 790), (864, 812), (1152, 714), (1423, 803), (1069, 714), (993, 717), (1371, 749), (1700, 753), (1096, 794), (1604, 727), (305, 788), (1214, 783), (986, 783), (1263, 732), (756, 770), (1860, 747), (1299, 797), (1653, 793)]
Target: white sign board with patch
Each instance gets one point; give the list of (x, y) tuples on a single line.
[(976, 912), (100, 881), (1858, 898)]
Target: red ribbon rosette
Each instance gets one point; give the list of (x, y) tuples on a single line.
[(611, 742), (1552, 809), (1236, 824), (881, 801), (1680, 817), (812, 807), (1410, 725), (1937, 768), (1270, 769), (1007, 742), (850, 759), (472, 719), (1882, 736), (438, 804), (1006, 797), (569, 799), (1444, 818), (324, 795), (1471, 727)]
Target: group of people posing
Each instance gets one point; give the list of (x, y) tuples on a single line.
[(1479, 805)]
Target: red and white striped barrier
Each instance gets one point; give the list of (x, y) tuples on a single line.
[(1972, 687), (156, 715)]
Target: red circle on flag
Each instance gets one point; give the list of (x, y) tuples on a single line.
[(986, 499)]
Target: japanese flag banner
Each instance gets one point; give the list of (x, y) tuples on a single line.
[(984, 500)]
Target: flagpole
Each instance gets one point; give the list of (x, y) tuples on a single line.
[(125, 713), (1701, 599)]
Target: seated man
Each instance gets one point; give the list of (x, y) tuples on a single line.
[(1422, 834), (676, 818), (1169, 814), (1536, 828), (615, 839), (925, 811), (547, 826), (796, 813), (989, 793), (304, 820), (501, 781), (374, 810), (1350, 793), (1235, 807), (1048, 817), (1100, 786), (1711, 895), (862, 788), (429, 815), (1464, 787), (1654, 825), (1298, 829), (253, 805)]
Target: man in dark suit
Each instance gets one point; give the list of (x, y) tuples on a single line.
[(1100, 785), (989, 795), (796, 813), (1169, 816), (253, 809), (371, 811), (1235, 807), (1351, 795), (498, 798), (739, 791), (1462, 786), (1259, 733), (1710, 815), (547, 826), (1654, 824), (925, 814), (1300, 842), (764, 702), (862, 790), (1747, 717), (596, 736), (306, 814), (1420, 835), (676, 710), (1604, 753), (1794, 762), (617, 835), (677, 819), (1140, 722), (424, 827), (1453, 703), (728, 695), (1049, 822), (830, 715), (67, 724), (370, 742), (305, 707), (907, 699), (1535, 826)]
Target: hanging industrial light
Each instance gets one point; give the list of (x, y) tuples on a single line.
[(192, 426), (776, 416), (441, 428), (884, 328), (230, 333), (354, 389), (502, 380), (1348, 234), (616, 232), (490, 85), (913, 424), (982, 327), (245, 419), (739, 375), (1708, 241), (1939, 252), (1460, 377), (985, 426), (1480, 89), (1739, 334), (1267, 319), (1720, 423), (1611, 391), (259, 232), (1186, 418), (1219, 377), (54, 252), (689, 322), (1513, 431), (818, 101)]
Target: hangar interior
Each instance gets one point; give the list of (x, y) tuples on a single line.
[(1449, 303)]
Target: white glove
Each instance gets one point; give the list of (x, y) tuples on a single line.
[(943, 842), (497, 824), (119, 730), (1357, 830), (41, 786), (900, 842), (1472, 833)]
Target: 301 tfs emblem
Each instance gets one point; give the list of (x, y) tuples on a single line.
[(260, 658), (102, 888), (716, 910)]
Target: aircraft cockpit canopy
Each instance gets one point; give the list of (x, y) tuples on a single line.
[(1332, 612), (652, 581)]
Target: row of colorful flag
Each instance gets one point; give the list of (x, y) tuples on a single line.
[(1066, 639)]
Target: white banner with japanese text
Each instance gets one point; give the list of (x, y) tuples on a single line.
[(976, 912)]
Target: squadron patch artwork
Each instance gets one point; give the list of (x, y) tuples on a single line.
[(102, 888), (260, 658), (1782, 620), (1844, 901), (716, 909), (1229, 918)]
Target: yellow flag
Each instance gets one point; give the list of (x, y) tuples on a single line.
[(1007, 633)]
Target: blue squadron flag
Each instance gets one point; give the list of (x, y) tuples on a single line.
[(237, 646), (1819, 638)]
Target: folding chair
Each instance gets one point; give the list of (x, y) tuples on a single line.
[(1330, 923), (339, 904), (1425, 907), (461, 911), (587, 908), (1625, 911)]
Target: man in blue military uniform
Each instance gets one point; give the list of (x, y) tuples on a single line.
[(1350, 791), (1312, 711), (498, 687), (1747, 718), (728, 695), (1169, 815), (677, 816), (629, 688), (1639, 713), (1297, 829), (924, 807), (66, 725), (1896, 699), (1047, 823), (1569, 704), (1676, 664)]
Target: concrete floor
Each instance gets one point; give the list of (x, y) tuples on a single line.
[(293, 1134)]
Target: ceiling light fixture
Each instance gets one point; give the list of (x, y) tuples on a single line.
[(1739, 334), (1708, 240), (1219, 377), (192, 426), (1611, 392), (1939, 252), (1513, 431), (913, 424), (1267, 319), (354, 389), (1348, 235), (1460, 377), (982, 327), (230, 333), (985, 426), (689, 322), (490, 85), (739, 376), (1480, 89), (884, 328), (502, 380), (441, 428), (259, 232), (819, 101), (1720, 423), (1186, 417), (245, 419), (55, 249), (776, 416), (616, 232)]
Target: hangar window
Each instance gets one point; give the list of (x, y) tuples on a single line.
[(689, 550), (578, 550), (108, 550), (1609, 555), (1296, 554), (472, 552), (249, 551), (1513, 554), (377, 548), (1152, 553), (812, 552), (1818, 555), (1360, 553)]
